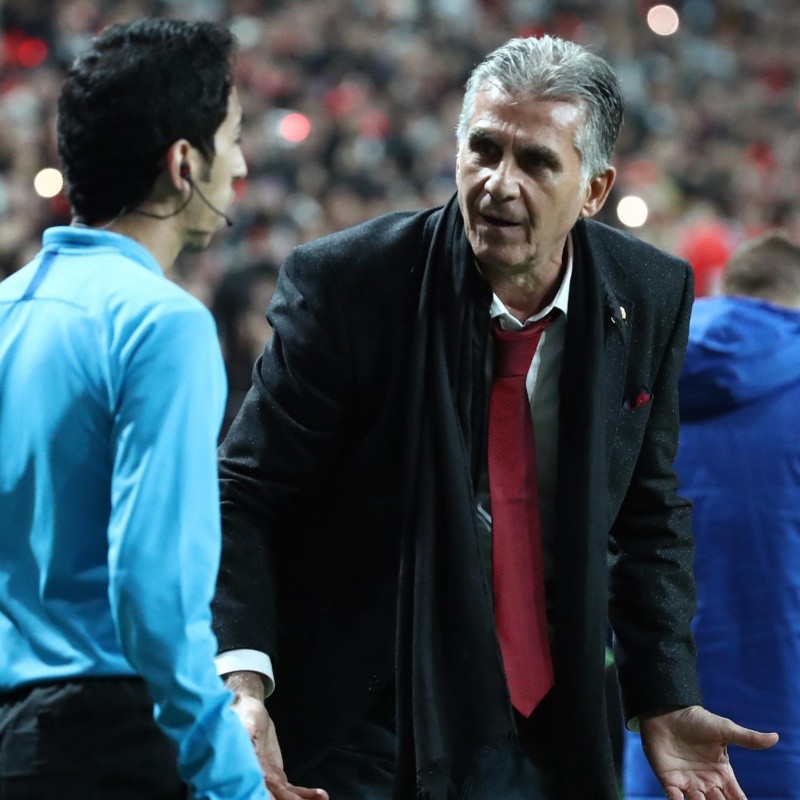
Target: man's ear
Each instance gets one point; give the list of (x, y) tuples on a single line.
[(179, 163), (597, 192)]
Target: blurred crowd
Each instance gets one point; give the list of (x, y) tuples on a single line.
[(350, 108)]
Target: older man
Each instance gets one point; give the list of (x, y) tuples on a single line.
[(462, 412)]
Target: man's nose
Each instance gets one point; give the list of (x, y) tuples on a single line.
[(503, 183)]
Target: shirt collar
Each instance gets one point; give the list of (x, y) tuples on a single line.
[(71, 236), (560, 301)]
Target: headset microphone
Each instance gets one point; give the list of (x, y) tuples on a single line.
[(187, 176)]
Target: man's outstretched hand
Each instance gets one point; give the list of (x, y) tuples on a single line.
[(688, 751), (249, 706)]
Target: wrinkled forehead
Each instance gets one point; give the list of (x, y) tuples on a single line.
[(496, 106), (492, 93)]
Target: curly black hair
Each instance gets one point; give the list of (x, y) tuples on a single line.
[(137, 88)]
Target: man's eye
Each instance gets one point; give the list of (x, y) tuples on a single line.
[(484, 147), (535, 163), (540, 163)]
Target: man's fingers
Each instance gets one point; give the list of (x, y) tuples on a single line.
[(285, 791), (281, 790), (311, 794), (713, 793), (733, 792), (754, 740)]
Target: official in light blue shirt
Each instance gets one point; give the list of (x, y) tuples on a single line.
[(112, 390)]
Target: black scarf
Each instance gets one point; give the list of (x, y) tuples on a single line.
[(451, 690)]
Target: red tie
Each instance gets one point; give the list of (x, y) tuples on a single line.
[(517, 561)]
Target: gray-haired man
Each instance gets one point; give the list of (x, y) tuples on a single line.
[(372, 471)]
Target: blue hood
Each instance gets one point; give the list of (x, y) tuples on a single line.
[(740, 350)]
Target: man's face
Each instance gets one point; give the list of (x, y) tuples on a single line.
[(520, 187), (217, 181)]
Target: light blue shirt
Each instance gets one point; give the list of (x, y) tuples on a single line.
[(111, 397)]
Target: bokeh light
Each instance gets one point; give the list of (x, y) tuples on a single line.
[(632, 211), (294, 127), (32, 53), (48, 182), (663, 20)]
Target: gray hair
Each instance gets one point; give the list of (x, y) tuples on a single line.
[(560, 70)]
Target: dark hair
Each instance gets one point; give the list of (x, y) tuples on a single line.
[(137, 88), (768, 268)]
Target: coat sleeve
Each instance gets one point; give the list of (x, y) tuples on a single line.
[(652, 598), (284, 440)]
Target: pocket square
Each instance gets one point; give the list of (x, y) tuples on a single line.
[(641, 398)]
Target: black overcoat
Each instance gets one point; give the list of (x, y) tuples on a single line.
[(311, 475)]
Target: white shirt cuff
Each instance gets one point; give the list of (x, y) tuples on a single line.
[(249, 661)]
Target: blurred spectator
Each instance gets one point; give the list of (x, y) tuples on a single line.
[(739, 462), (239, 307), (707, 243)]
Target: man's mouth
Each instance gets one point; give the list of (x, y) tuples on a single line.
[(497, 222)]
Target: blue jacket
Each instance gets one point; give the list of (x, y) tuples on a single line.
[(111, 396), (739, 462)]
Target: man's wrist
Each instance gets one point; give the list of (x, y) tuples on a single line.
[(246, 683)]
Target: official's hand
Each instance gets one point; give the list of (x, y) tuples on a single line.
[(250, 709), (688, 751)]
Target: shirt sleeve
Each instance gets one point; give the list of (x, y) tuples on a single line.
[(164, 540), (247, 661)]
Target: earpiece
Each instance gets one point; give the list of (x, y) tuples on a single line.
[(186, 173)]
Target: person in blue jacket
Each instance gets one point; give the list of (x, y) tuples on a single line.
[(112, 390), (739, 462)]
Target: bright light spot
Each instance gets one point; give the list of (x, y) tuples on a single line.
[(294, 127), (48, 182), (663, 20), (632, 211), (247, 30)]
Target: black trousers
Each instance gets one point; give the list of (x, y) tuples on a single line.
[(362, 766), (91, 739)]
